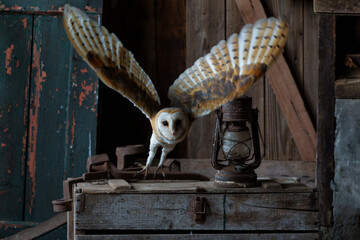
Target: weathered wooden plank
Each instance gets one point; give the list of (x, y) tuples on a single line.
[(272, 211), (286, 92), (119, 184), (347, 88), (277, 134), (49, 93), (179, 187), (48, 6), (196, 236), (325, 120), (311, 42), (57, 105), (82, 103), (337, 6), (15, 52), (276, 212), (170, 51), (205, 27), (119, 120)]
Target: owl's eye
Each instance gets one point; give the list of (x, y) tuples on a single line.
[(178, 122), (165, 123)]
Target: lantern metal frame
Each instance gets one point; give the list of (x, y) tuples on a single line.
[(238, 172)]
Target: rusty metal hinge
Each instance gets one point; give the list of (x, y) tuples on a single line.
[(199, 209)]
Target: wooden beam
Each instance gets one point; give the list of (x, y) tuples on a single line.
[(337, 6), (326, 120), (286, 91), (347, 88)]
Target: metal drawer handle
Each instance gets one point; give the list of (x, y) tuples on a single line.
[(199, 209)]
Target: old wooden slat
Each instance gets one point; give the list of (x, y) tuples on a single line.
[(195, 236), (260, 211), (310, 82), (325, 120), (170, 51), (57, 105), (205, 27), (48, 6), (15, 50), (82, 103), (119, 184), (347, 88), (286, 92), (337, 6), (49, 92), (277, 134), (120, 123)]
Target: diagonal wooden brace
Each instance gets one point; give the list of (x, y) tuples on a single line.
[(286, 91)]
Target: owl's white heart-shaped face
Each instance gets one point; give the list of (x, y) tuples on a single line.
[(172, 124)]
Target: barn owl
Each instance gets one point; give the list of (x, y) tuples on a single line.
[(221, 76)]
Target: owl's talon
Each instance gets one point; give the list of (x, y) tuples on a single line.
[(145, 169), (162, 171)]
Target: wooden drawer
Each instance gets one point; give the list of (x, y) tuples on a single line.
[(168, 207)]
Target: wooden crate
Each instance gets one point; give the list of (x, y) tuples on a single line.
[(164, 210)]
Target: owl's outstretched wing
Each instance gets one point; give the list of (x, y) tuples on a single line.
[(230, 68), (114, 64)]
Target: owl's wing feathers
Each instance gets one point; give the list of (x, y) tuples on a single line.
[(114, 64), (230, 68)]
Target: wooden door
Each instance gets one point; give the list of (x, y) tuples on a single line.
[(48, 110)]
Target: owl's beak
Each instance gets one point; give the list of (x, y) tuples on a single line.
[(173, 133)]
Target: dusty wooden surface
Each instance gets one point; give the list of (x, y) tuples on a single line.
[(167, 186), (304, 171), (326, 120), (291, 208), (215, 236), (337, 6)]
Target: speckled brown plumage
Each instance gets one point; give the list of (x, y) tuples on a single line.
[(230, 68)]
